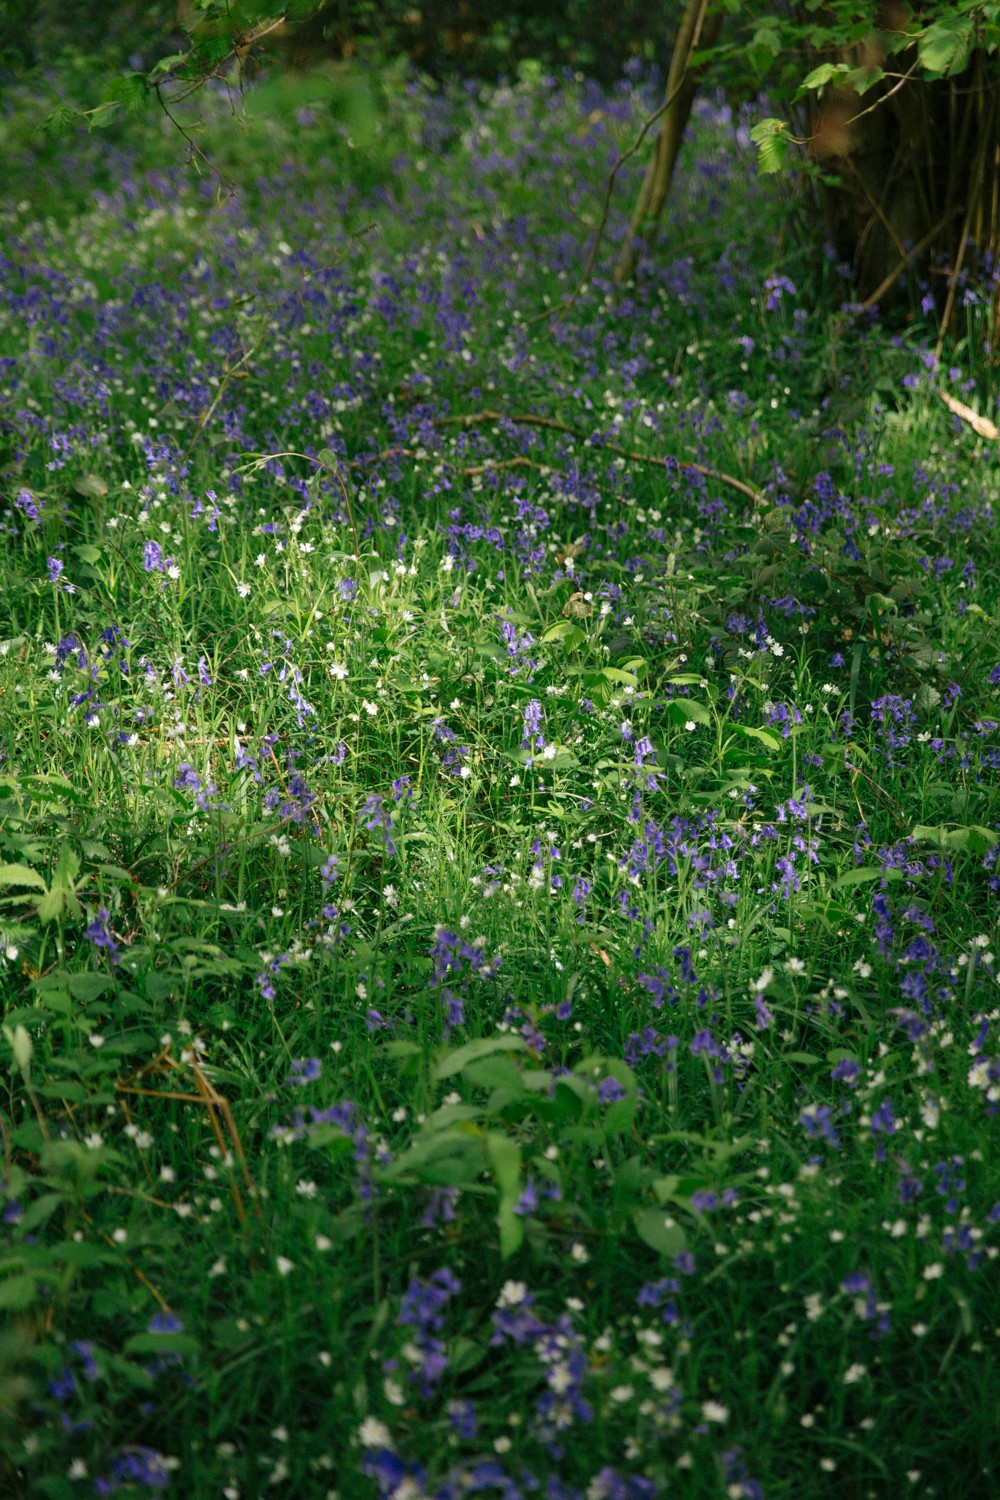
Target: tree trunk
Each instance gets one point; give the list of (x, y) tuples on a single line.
[(918, 178), (699, 28)]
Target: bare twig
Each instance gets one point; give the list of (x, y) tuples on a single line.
[(559, 312), (902, 264)]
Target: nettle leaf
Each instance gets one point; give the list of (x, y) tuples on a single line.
[(772, 145), (944, 49), (59, 902), (21, 875)]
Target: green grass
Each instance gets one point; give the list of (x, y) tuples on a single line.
[(654, 960)]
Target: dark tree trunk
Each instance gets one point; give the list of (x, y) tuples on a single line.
[(918, 177)]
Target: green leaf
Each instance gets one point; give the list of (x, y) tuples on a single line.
[(772, 145), (161, 1343), (683, 709), (974, 838), (58, 902), (820, 77), (660, 1234), (863, 79), (17, 1293), (494, 1073), (68, 867), (863, 877), (88, 987), (762, 736), (560, 630), (505, 1163), (130, 90), (511, 1226), (620, 1115), (454, 1061), (944, 48), (19, 1041), (21, 875)]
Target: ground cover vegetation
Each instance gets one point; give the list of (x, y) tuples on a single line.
[(498, 824)]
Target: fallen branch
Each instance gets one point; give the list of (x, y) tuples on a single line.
[(981, 426), (550, 424)]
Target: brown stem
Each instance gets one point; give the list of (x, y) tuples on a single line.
[(521, 419)]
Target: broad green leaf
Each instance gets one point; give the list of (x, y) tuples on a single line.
[(58, 902), (653, 1228), (762, 736), (864, 877), (944, 48), (975, 837), (19, 1041), (498, 1072), (560, 631), (772, 145), (16, 1293), (683, 709), (453, 1062), (88, 987), (130, 90), (821, 76), (511, 1227), (505, 1162), (863, 79), (68, 866)]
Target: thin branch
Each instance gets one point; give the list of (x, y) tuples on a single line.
[(550, 424), (559, 312), (901, 265)]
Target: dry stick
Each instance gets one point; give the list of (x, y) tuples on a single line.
[(139, 1275), (212, 1100), (550, 423)]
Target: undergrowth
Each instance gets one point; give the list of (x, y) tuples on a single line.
[(499, 826)]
